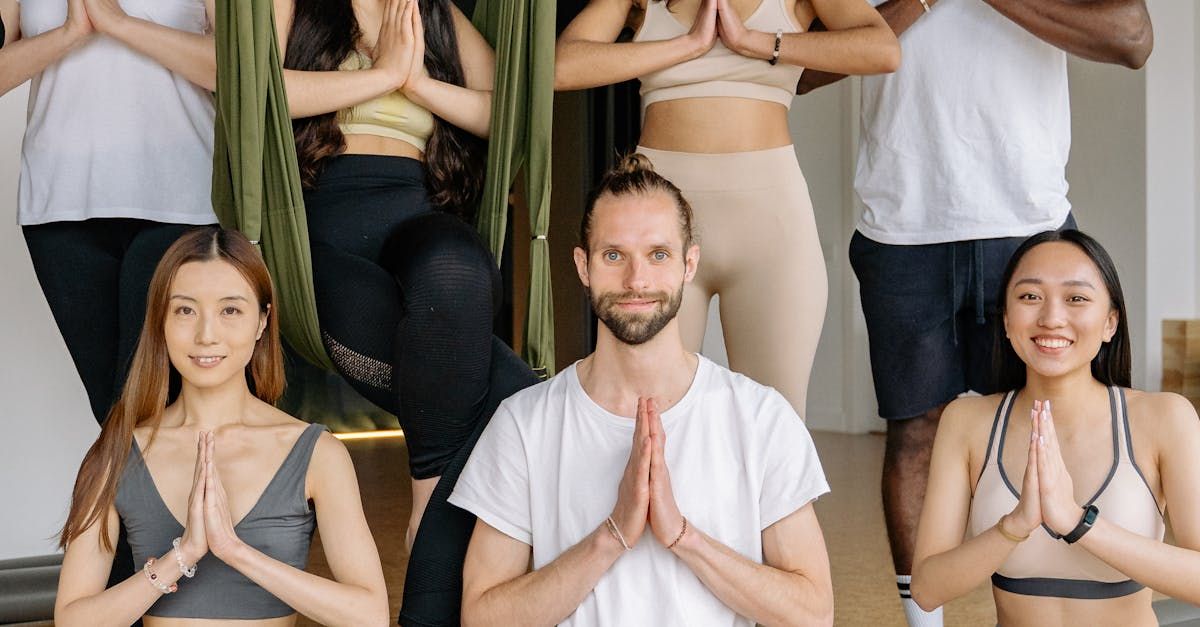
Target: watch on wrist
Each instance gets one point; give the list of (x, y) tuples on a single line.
[(1085, 524)]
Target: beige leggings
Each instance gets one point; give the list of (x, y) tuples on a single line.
[(760, 252)]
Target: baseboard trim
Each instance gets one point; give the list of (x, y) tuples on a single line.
[(27, 588)]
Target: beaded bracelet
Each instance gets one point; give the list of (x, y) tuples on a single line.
[(188, 571), (616, 532), (775, 53), (152, 577), (680, 536)]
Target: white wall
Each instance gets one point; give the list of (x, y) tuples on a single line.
[(47, 423), (1172, 264)]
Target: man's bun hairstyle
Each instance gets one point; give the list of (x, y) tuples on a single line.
[(634, 175)]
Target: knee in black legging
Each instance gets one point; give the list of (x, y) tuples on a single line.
[(448, 285), (442, 264)]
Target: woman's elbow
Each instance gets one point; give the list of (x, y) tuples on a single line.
[(887, 58), (922, 595)]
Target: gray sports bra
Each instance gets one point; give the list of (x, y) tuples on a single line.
[(280, 525)]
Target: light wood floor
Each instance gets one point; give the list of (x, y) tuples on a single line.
[(863, 583)]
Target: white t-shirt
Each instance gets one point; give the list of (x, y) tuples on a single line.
[(111, 133), (546, 471), (969, 138)]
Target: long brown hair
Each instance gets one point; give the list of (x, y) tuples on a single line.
[(323, 33), (153, 382)]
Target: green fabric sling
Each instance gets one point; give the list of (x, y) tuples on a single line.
[(522, 32), (256, 182)]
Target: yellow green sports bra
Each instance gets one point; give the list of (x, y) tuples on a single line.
[(390, 115)]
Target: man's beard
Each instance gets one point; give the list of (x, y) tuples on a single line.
[(636, 328)]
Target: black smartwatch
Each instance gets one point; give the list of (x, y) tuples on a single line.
[(1085, 524)]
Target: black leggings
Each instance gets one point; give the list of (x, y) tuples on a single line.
[(95, 274), (406, 297)]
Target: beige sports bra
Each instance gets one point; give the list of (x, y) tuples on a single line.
[(1044, 565), (390, 115), (720, 72)]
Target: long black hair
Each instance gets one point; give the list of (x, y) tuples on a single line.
[(1113, 365), (323, 34)]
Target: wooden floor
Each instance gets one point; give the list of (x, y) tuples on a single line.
[(863, 583)]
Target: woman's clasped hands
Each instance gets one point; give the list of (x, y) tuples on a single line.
[(209, 526), (400, 49), (718, 20), (1047, 491)]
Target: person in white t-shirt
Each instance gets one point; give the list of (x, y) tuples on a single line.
[(962, 156), (644, 485)]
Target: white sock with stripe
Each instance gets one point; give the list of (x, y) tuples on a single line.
[(913, 613)]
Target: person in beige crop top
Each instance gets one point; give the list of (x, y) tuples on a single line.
[(235, 481), (717, 79), (1028, 491)]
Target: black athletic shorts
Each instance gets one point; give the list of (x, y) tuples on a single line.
[(931, 317)]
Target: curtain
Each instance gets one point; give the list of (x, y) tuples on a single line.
[(522, 32), (256, 182)]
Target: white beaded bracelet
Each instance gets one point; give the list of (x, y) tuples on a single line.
[(152, 577), (188, 571)]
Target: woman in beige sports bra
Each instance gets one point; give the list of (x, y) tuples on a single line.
[(717, 79), (1061, 485)]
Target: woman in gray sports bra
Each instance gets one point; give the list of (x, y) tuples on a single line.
[(1063, 510), (210, 480)]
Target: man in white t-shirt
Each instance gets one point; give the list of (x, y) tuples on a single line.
[(643, 485), (962, 155)]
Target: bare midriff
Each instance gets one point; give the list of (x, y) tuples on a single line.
[(715, 125), (1015, 610), (159, 621), (377, 145)]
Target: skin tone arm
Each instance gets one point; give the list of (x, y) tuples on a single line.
[(82, 598), (945, 567), (469, 107), (586, 54), (1108, 31), (1172, 570), (313, 93), (858, 41), (357, 595), (22, 58), (191, 55), (499, 588), (899, 15), (793, 586)]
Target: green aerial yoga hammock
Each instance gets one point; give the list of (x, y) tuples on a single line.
[(256, 182), (522, 32)]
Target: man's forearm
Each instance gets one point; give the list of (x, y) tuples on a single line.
[(899, 15), (548, 595), (767, 595), (1109, 31)]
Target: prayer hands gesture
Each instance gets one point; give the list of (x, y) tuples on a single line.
[(104, 15), (730, 28), (645, 495), (1047, 492), (400, 48), (703, 33), (209, 525), (78, 24)]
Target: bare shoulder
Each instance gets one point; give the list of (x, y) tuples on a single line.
[(1165, 416), (970, 418)]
